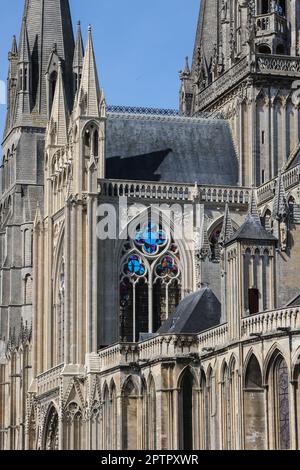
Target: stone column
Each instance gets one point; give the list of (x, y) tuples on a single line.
[(268, 140), (241, 142), (67, 322), (272, 139), (284, 132), (294, 27), (78, 281), (40, 306)]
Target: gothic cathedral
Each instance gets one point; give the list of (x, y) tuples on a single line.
[(147, 339)]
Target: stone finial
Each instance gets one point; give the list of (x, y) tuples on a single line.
[(227, 229), (280, 205), (253, 210)]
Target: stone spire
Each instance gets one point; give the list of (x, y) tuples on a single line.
[(58, 126), (44, 23), (24, 53), (14, 47), (22, 105), (89, 96), (11, 82), (78, 58), (280, 206), (205, 249), (253, 210), (227, 229), (186, 72)]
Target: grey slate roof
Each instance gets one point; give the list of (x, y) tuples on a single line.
[(207, 32), (252, 230), (171, 149), (295, 161), (295, 302), (197, 312)]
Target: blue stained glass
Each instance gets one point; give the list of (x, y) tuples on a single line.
[(151, 238), (134, 266), (167, 267)]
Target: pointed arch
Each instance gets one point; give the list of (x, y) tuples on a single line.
[(151, 413), (58, 307), (296, 382), (130, 431), (254, 404), (186, 409), (279, 398), (226, 406), (33, 429), (51, 429), (214, 232), (275, 350), (151, 283), (113, 415)]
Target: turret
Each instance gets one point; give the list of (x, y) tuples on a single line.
[(249, 259), (78, 59)]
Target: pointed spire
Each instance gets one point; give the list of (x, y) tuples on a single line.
[(49, 22), (227, 229), (89, 93), (185, 73), (253, 210), (22, 103), (205, 248), (14, 47), (79, 49), (280, 205), (38, 216), (78, 59), (58, 125), (24, 54), (187, 67)]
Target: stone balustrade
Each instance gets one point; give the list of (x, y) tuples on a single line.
[(49, 380), (290, 179), (135, 190), (269, 322), (168, 346), (175, 192), (118, 355), (277, 64), (224, 194), (213, 338), (233, 76), (270, 23), (175, 346)]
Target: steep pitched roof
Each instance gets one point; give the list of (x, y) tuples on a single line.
[(295, 302), (227, 229), (47, 23), (280, 204), (171, 149), (89, 95), (197, 312), (79, 49), (59, 113), (252, 228), (207, 32)]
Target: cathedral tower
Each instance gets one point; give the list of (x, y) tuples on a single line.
[(46, 40), (245, 66)]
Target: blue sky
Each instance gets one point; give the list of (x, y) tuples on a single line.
[(140, 45)]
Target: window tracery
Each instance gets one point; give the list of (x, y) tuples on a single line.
[(150, 281)]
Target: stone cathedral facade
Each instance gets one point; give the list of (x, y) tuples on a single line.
[(154, 340)]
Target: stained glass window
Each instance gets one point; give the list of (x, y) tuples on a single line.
[(134, 266), (150, 239), (150, 282), (283, 405), (167, 267)]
